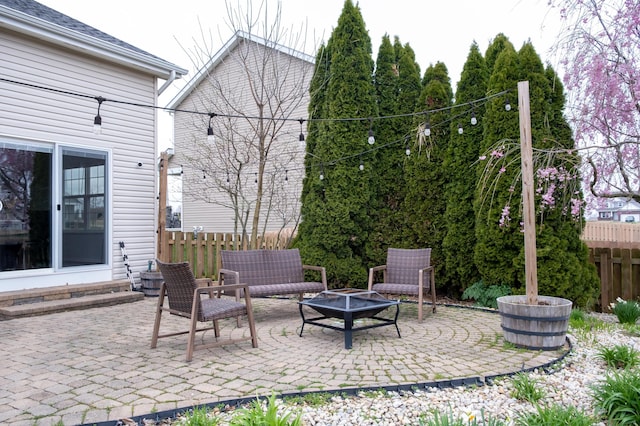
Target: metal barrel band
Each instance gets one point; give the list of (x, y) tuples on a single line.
[(529, 318), (534, 333)]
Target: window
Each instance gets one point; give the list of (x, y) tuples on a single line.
[(35, 231), (25, 216)]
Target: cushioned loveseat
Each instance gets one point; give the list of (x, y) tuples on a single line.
[(270, 272)]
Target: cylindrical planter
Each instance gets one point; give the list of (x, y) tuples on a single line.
[(151, 282), (537, 327)]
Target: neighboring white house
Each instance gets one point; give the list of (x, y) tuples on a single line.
[(620, 210), (69, 196), (247, 66)]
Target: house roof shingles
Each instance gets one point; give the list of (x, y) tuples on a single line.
[(48, 15)]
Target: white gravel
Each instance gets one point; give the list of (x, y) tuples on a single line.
[(568, 384)]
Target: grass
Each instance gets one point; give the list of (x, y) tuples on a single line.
[(554, 415), (438, 418), (199, 416), (256, 415), (620, 356), (526, 389), (617, 397)]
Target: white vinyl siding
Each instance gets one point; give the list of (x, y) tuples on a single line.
[(190, 129), (128, 134)]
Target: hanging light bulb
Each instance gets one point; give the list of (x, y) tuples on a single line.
[(407, 146), (211, 138), (361, 165), (286, 175), (474, 120), (321, 171), (407, 151), (321, 175), (97, 121), (427, 129), (301, 137), (371, 139), (460, 131), (507, 105)]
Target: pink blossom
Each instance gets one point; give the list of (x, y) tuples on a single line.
[(502, 170), (504, 217), (483, 157), (497, 154)]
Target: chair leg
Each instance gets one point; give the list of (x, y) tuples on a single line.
[(433, 290), (216, 328), (420, 302), (252, 324), (192, 338), (156, 324)]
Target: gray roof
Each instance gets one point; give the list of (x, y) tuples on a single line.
[(45, 15)]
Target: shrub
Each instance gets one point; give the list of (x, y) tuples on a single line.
[(257, 416), (620, 356), (486, 296), (199, 417), (526, 389), (618, 397), (448, 419), (554, 415), (627, 312)]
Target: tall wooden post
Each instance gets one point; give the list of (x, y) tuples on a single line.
[(162, 203), (526, 151)]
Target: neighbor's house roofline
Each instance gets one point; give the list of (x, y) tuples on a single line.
[(34, 19), (223, 52)]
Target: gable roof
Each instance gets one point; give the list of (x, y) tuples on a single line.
[(37, 20), (222, 53)]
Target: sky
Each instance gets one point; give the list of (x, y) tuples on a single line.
[(438, 31)]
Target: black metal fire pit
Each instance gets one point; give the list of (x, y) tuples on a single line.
[(348, 305)]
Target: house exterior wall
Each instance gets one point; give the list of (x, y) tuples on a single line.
[(50, 118), (190, 131)]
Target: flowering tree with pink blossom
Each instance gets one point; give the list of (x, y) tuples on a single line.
[(599, 47)]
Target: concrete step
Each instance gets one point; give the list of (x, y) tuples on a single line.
[(41, 301)]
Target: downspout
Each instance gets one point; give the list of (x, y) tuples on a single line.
[(171, 79)]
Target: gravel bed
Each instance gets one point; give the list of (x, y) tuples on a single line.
[(568, 384)]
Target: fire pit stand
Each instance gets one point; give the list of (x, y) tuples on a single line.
[(348, 305)]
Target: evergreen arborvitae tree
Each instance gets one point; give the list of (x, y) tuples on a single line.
[(562, 264), (425, 203), (334, 229), (460, 162), (397, 84), (498, 243)]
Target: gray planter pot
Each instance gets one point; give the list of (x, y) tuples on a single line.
[(151, 282), (537, 327)]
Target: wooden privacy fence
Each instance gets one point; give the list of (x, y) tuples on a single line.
[(619, 271), (202, 250), (612, 233)]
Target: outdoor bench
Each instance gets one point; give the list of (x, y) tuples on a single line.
[(270, 272)]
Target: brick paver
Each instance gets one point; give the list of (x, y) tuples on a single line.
[(96, 365)]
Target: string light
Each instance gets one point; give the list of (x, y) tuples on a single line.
[(474, 120), (427, 129), (371, 138), (361, 164), (211, 138), (407, 147), (301, 137), (321, 171), (286, 175), (97, 121), (460, 130), (507, 105)]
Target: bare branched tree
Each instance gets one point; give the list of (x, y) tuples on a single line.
[(254, 92)]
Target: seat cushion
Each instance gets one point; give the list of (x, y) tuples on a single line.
[(285, 288), (218, 308), (390, 288)]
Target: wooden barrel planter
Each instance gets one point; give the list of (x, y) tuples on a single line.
[(151, 282), (537, 327)]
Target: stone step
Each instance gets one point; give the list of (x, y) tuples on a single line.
[(41, 301)]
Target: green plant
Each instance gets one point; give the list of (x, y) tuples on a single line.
[(199, 416), (438, 418), (620, 356), (256, 415), (627, 312), (525, 388), (618, 397), (313, 399), (554, 415), (486, 296)]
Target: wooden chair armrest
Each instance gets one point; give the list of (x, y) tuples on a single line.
[(221, 272), (218, 289), (322, 270), (372, 271)]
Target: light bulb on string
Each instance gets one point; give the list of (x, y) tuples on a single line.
[(321, 172), (507, 105), (371, 140), (361, 167), (407, 150), (301, 137), (460, 130), (474, 120), (211, 138), (427, 129), (97, 121), (286, 175)]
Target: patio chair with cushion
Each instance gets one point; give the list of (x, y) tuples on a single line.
[(407, 272), (186, 299)]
